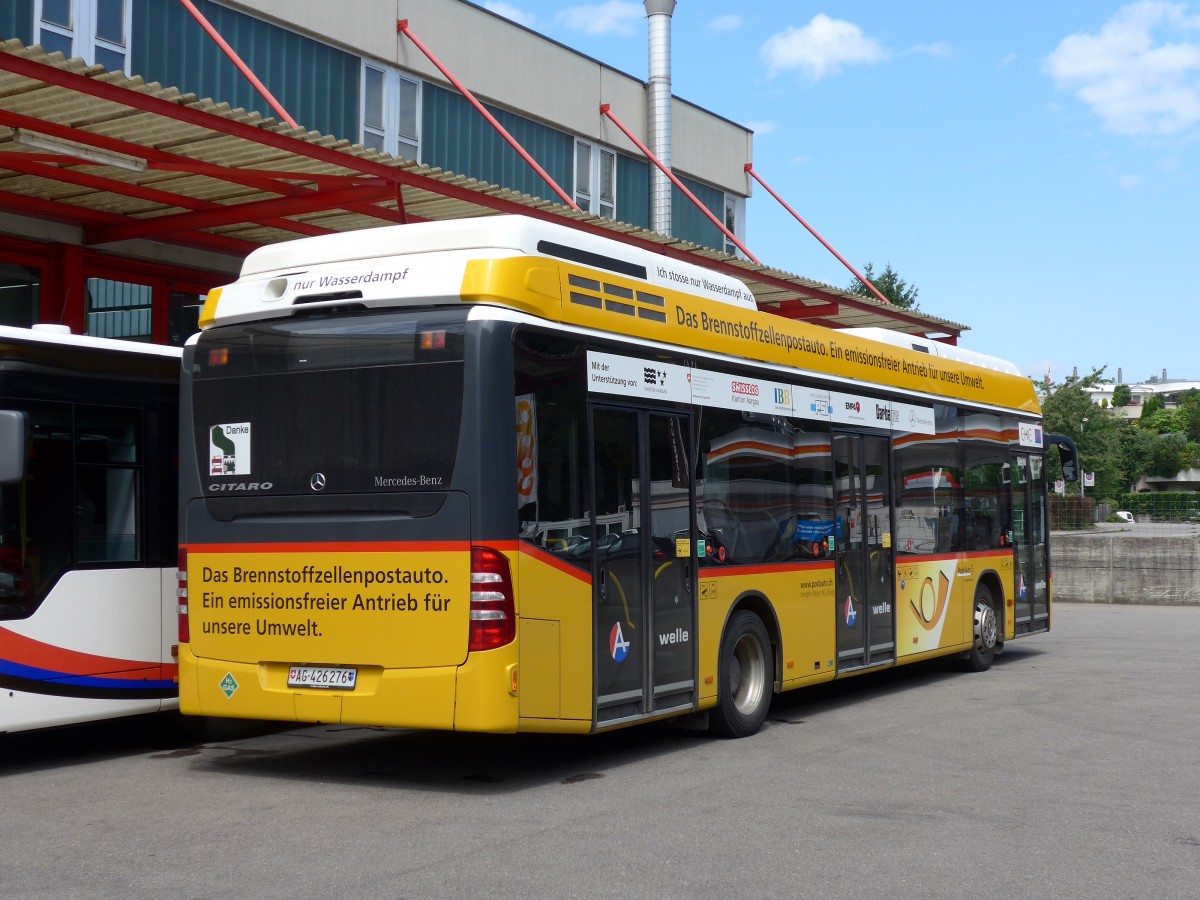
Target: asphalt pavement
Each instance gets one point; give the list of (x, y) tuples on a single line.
[(1070, 769)]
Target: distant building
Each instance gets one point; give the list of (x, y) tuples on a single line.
[(1171, 391)]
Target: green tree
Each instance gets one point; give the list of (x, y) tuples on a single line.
[(1122, 395), (1137, 446), (1163, 421), (888, 283), (1068, 409), (1189, 408), (1169, 455), (1154, 403)]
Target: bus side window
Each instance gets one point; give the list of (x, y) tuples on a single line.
[(107, 482), (48, 500)]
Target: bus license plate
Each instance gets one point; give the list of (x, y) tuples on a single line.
[(322, 677)]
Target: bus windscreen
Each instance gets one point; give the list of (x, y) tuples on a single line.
[(367, 404)]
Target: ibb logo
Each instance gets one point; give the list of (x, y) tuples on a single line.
[(783, 397), (743, 387)]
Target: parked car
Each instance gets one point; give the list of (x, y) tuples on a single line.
[(1124, 515)]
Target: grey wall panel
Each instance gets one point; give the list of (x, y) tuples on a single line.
[(690, 223), (16, 20), (456, 137), (316, 83), (633, 191)]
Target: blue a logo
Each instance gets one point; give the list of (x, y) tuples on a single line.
[(851, 612), (617, 645)]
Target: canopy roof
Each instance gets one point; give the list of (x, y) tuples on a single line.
[(126, 160)]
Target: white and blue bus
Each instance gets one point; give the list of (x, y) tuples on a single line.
[(88, 459)]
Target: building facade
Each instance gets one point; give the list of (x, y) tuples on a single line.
[(140, 161), (356, 77)]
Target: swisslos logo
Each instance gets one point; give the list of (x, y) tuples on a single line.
[(854, 405), (745, 387)]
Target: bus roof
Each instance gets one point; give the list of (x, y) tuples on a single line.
[(590, 282), (60, 336), (494, 237)]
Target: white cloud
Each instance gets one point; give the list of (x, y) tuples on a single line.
[(613, 17), (1131, 182), (1007, 61), (761, 128), (510, 12), (1140, 73), (725, 23), (940, 50), (820, 48)]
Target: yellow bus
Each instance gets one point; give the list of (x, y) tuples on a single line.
[(500, 475)]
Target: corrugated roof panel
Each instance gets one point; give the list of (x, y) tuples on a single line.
[(246, 144)]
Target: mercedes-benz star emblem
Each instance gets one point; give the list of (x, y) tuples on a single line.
[(317, 482)]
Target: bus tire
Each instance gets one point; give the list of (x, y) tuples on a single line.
[(986, 632), (745, 677)]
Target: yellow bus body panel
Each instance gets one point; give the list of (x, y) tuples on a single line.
[(555, 605), (674, 317)]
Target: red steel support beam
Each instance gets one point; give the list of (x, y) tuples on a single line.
[(402, 28), (233, 213), (813, 232), (606, 110), (798, 309), (275, 181), (43, 166), (74, 215), (237, 61)]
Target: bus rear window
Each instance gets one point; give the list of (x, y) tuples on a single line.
[(371, 403)]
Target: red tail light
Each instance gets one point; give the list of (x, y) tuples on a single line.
[(493, 612), (182, 592)]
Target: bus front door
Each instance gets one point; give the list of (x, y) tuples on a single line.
[(643, 564), (865, 607), (1030, 582)]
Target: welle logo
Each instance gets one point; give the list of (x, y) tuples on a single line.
[(229, 449)]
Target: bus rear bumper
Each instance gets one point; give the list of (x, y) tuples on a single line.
[(480, 695)]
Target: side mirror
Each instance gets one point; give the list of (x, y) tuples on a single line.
[(14, 435), (1068, 453)]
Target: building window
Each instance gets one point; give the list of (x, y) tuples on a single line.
[(119, 309), (595, 179), (391, 112), (734, 208), (20, 289), (183, 315), (95, 30)]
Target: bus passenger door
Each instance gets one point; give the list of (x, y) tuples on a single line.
[(643, 563), (1030, 581), (865, 607)]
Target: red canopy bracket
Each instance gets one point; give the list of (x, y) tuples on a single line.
[(402, 28), (750, 171), (606, 110)]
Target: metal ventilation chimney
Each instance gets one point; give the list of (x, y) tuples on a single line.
[(658, 14)]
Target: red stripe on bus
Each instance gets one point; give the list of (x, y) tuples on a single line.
[(769, 569), (555, 562), (336, 547), (28, 652)]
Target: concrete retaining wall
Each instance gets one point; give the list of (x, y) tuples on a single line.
[(1119, 567)]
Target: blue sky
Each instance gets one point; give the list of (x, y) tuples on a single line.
[(1029, 166)]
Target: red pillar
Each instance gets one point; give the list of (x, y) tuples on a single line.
[(62, 300)]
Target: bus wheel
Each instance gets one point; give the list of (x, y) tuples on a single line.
[(987, 636), (745, 676)]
